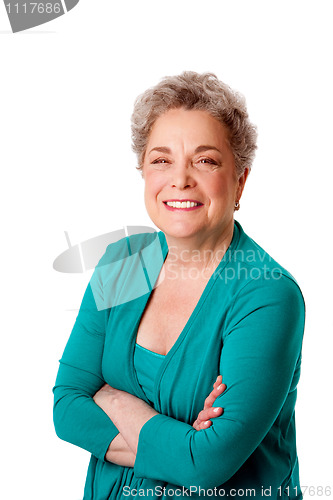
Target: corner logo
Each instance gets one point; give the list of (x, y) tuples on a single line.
[(24, 15), (126, 272)]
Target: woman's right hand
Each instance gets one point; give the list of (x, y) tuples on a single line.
[(203, 419)]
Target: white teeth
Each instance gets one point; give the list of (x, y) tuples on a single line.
[(181, 204)]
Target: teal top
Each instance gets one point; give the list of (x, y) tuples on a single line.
[(247, 326), (146, 365)]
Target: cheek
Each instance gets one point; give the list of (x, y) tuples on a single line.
[(153, 184), (219, 188), (222, 190)]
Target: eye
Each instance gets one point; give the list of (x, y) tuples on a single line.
[(207, 163), (159, 160), (207, 160), (160, 164)]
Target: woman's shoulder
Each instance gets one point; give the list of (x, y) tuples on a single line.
[(257, 282), (128, 269), (133, 242), (257, 273), (250, 254)]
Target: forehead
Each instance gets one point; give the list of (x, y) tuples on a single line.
[(195, 126)]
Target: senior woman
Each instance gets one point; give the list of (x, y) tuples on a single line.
[(138, 367)]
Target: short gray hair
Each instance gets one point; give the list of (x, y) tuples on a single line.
[(205, 92)]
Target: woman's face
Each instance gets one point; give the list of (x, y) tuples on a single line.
[(191, 183)]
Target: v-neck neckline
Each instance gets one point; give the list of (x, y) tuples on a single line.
[(168, 356)]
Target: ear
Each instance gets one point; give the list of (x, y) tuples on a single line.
[(241, 183)]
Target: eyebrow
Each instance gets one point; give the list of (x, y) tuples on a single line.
[(161, 149), (199, 149)]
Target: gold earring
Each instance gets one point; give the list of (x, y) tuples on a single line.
[(237, 205)]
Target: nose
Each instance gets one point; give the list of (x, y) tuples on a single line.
[(181, 176)]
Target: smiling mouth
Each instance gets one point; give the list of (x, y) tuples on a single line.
[(182, 204)]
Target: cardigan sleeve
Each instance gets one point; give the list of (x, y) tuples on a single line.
[(77, 419), (259, 359)]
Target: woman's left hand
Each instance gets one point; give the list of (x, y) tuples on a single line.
[(129, 413), (203, 419)]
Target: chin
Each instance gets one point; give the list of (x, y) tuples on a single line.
[(179, 230)]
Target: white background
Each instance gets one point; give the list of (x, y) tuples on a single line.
[(66, 94)]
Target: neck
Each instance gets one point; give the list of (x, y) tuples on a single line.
[(199, 251)]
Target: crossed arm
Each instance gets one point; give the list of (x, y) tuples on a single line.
[(264, 335), (129, 414)]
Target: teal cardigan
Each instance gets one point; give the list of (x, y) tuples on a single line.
[(248, 326)]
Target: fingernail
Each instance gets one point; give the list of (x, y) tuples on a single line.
[(216, 410), (219, 387)]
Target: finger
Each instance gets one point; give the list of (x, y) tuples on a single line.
[(209, 413), (218, 391), (218, 381), (213, 395), (198, 426), (205, 425), (218, 388)]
